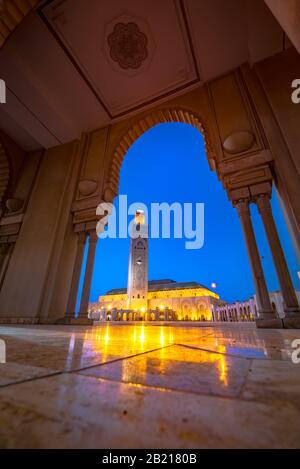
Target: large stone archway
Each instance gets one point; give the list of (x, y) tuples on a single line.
[(161, 116), (244, 145)]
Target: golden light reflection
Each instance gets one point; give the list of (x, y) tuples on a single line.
[(223, 367), (142, 334), (106, 338), (134, 334), (120, 341), (162, 336)]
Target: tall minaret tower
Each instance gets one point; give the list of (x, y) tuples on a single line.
[(137, 288)]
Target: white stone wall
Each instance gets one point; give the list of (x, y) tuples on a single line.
[(247, 310)]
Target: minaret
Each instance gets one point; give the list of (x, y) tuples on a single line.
[(137, 287)]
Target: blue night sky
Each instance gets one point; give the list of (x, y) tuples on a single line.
[(168, 164)]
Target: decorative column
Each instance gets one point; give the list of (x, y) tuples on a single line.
[(290, 302), (266, 317), (3, 258), (5, 255), (83, 312), (3, 249), (81, 237)]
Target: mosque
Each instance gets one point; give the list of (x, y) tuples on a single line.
[(156, 300)]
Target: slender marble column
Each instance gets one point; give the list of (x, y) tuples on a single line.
[(81, 237), (3, 249), (290, 302), (88, 275), (262, 295), (6, 252)]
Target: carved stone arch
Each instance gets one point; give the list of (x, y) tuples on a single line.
[(169, 114), (4, 174)]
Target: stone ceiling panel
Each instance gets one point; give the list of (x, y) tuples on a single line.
[(130, 52)]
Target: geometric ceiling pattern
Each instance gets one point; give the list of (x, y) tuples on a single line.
[(76, 65)]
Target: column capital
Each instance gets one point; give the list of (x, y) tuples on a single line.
[(263, 202), (242, 206)]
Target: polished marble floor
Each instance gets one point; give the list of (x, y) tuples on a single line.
[(140, 385)]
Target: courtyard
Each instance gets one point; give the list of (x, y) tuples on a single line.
[(175, 385)]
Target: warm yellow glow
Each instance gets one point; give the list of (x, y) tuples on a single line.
[(139, 217), (105, 341), (142, 335), (162, 336), (183, 293), (106, 338), (143, 309), (223, 368), (168, 298)]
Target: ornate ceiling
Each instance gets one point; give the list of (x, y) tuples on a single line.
[(128, 45), (75, 65)]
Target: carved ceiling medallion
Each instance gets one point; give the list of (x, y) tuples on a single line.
[(128, 45)]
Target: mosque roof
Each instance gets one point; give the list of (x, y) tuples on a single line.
[(159, 285)]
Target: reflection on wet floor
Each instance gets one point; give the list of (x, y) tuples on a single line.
[(145, 385), (69, 348)]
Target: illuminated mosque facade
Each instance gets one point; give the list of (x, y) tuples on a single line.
[(156, 300)]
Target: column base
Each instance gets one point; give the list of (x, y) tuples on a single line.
[(65, 319), (83, 321), (17, 320), (269, 323), (72, 321), (291, 322), (292, 313)]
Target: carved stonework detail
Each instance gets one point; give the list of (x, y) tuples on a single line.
[(87, 187), (163, 115), (14, 205), (128, 45), (239, 142), (109, 194)]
